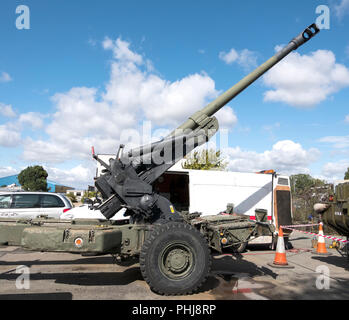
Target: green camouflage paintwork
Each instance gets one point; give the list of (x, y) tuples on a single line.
[(337, 216), (103, 236)]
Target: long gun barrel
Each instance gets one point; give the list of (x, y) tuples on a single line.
[(193, 122)]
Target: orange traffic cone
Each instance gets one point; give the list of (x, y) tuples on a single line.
[(280, 260), (321, 245)]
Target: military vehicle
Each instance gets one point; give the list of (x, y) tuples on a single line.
[(173, 249), (335, 212)]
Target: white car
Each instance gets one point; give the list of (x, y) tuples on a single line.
[(86, 212), (30, 205)]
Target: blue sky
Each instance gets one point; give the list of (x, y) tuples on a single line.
[(86, 71)]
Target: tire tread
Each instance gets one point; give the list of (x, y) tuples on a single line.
[(156, 232)]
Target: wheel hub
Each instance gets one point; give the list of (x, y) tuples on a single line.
[(177, 260)]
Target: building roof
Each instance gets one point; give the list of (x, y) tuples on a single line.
[(10, 180)]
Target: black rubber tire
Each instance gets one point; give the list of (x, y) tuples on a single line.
[(288, 244), (156, 252), (274, 243)]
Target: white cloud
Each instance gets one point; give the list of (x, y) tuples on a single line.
[(342, 9), (229, 57), (34, 119), (121, 51), (5, 77), (167, 103), (6, 110), (10, 132), (338, 142), (85, 117), (10, 136), (161, 101), (226, 117), (285, 157), (245, 58), (335, 170), (346, 118), (306, 80), (45, 151), (7, 171), (78, 176)]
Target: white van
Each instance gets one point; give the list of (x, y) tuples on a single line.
[(209, 192)]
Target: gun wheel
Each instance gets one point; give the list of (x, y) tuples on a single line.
[(175, 259)]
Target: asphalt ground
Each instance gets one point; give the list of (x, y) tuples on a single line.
[(249, 277)]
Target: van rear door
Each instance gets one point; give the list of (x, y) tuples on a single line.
[(282, 202)]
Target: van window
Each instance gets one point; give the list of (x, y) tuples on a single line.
[(49, 201), (5, 201), (22, 201), (283, 181), (69, 204)]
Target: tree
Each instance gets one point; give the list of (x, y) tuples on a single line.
[(301, 183), (72, 197), (33, 179), (205, 160), (89, 195), (346, 176), (306, 191)]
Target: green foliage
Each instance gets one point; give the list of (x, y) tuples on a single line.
[(303, 182), (205, 160), (306, 191), (346, 176), (33, 179), (72, 197), (89, 195)]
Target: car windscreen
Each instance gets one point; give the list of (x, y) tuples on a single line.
[(25, 201)]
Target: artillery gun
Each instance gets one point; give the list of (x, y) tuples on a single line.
[(173, 249)]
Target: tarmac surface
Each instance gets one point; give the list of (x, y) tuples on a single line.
[(250, 277)]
